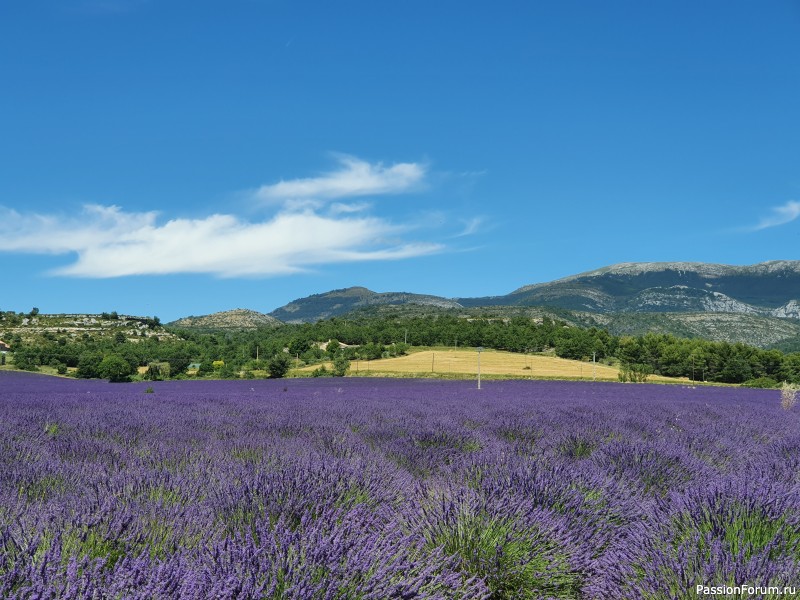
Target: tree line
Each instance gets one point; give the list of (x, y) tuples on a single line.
[(275, 350)]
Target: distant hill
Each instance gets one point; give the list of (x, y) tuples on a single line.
[(753, 330), (239, 318), (756, 304), (79, 327), (770, 289), (340, 302)]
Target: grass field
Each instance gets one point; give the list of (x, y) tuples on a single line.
[(443, 362)]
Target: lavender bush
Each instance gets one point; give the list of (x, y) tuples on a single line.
[(370, 489)]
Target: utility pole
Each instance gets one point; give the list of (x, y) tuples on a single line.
[(594, 366)]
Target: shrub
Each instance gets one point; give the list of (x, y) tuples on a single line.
[(789, 395), (227, 372), (26, 360), (761, 382), (514, 560), (88, 365), (156, 371), (319, 372), (278, 365), (340, 366), (206, 367), (115, 368), (635, 373)]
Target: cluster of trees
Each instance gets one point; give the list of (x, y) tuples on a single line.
[(273, 351), (702, 360)]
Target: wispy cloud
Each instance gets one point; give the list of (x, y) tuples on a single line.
[(780, 216), (354, 177), (343, 208), (303, 232), (471, 226), (110, 242)]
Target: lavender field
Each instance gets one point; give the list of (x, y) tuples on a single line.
[(370, 489)]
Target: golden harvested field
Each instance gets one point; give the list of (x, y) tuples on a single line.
[(445, 362)]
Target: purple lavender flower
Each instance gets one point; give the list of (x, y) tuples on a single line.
[(369, 488)]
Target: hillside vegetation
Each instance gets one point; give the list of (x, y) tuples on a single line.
[(237, 319), (63, 328), (703, 322), (272, 351)]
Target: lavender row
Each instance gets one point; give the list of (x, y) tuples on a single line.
[(368, 488)]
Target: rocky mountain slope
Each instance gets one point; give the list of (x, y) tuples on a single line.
[(239, 318), (339, 302), (770, 289), (756, 304), (78, 327)]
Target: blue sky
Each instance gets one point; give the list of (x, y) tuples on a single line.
[(167, 157)]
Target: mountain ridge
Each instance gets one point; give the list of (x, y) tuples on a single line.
[(770, 289), (725, 302), (341, 301)]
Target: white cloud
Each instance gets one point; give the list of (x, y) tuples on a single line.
[(52, 234), (780, 215), (112, 243), (316, 221), (355, 177), (343, 208), (471, 226)]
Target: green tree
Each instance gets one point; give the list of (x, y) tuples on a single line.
[(299, 346), (279, 365), (88, 365), (371, 351), (115, 368), (333, 347), (790, 368), (26, 359), (206, 368), (157, 371), (340, 366), (227, 372)]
